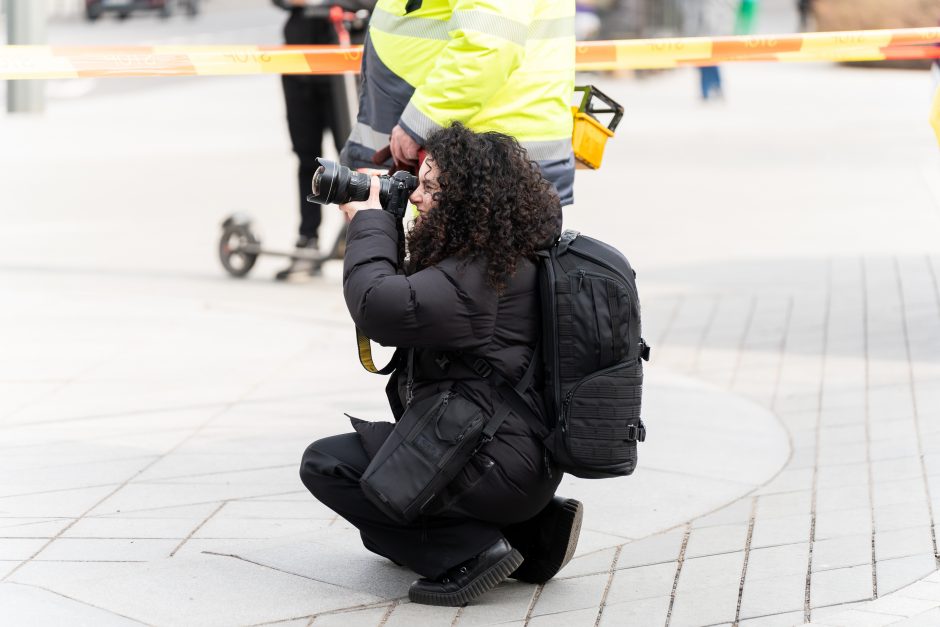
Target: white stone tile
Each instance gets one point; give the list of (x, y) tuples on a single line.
[(28, 605), (565, 619), (408, 614), (842, 552), (903, 542), (20, 548), (571, 594), (651, 550), (642, 582), (787, 619), (777, 561), (846, 522), (636, 612), (704, 606), (843, 585), (777, 531), (589, 564), (107, 549), (508, 601), (22, 527), (773, 595), (150, 528), (367, 618), (896, 573), (900, 605), (715, 540)]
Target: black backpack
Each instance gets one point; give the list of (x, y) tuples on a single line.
[(593, 355)]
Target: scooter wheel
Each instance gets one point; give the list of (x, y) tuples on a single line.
[(234, 258)]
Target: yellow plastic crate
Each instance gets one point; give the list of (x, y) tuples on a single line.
[(589, 139), (590, 136)]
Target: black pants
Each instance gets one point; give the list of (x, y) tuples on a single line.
[(331, 469), (314, 104)]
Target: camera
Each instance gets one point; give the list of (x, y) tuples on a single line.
[(334, 183)]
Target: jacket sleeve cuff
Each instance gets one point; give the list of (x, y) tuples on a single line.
[(417, 124)]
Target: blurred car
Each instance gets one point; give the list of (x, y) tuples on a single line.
[(124, 8)]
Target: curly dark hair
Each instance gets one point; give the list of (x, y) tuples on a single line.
[(492, 204)]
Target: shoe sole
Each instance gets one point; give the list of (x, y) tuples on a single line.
[(487, 580), (540, 571)]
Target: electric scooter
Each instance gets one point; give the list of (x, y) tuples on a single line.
[(240, 245)]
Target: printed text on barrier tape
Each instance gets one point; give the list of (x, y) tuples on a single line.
[(37, 62)]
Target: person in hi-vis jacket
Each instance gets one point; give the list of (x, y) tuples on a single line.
[(492, 65)]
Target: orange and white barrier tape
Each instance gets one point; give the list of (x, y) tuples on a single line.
[(868, 45), (935, 115), (39, 62)]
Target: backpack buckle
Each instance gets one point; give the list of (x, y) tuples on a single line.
[(482, 367), (637, 432), (644, 350)]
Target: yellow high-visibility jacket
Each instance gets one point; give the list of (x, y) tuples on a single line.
[(494, 65)]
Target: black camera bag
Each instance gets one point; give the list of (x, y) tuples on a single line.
[(430, 445)]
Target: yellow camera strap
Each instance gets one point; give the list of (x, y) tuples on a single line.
[(365, 355)]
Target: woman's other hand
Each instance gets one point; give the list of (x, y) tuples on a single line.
[(351, 208)]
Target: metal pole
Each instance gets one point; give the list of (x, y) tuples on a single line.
[(26, 24)]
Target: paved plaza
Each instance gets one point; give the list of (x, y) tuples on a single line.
[(153, 410)]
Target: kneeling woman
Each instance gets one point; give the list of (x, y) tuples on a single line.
[(468, 292)]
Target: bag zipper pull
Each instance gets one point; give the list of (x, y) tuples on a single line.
[(580, 279), (564, 412)]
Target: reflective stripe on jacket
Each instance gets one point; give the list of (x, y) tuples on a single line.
[(495, 65)]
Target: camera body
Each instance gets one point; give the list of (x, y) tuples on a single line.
[(335, 183)]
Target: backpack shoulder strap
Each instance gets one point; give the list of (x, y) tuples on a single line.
[(512, 394)]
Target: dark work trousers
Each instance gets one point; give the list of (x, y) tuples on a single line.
[(314, 104), (331, 469)]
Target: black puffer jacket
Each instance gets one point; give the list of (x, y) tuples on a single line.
[(440, 311)]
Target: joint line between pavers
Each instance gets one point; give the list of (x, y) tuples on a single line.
[(747, 554), (198, 527), (536, 594), (743, 343), (706, 329), (675, 580), (610, 580), (913, 391), (457, 615), (286, 572), (65, 596), (784, 342), (871, 477), (388, 614), (819, 405)]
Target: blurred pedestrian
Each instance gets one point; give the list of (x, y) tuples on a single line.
[(314, 104), (708, 18), (805, 7), (493, 66), (747, 17)]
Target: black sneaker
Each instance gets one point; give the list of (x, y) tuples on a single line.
[(465, 582), (301, 267), (547, 541)]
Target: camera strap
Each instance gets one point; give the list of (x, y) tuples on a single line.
[(365, 355)]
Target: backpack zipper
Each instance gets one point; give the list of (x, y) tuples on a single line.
[(564, 410), (556, 378), (630, 284), (570, 394)]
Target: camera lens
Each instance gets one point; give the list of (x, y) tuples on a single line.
[(334, 183)]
